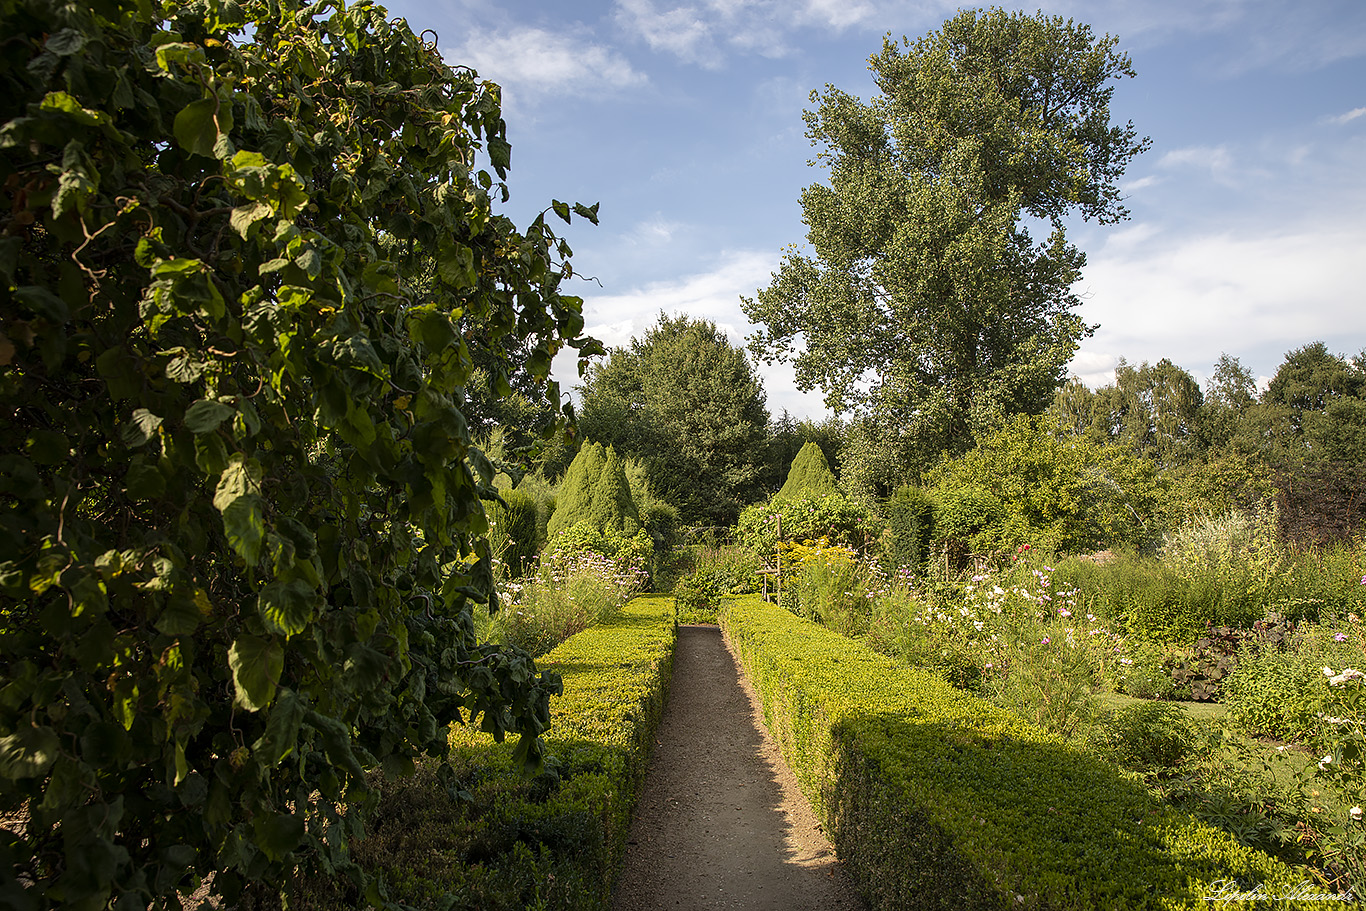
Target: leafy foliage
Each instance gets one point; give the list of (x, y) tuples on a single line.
[(1151, 738), (1022, 484), (240, 512), (927, 304), (837, 520), (1153, 410)]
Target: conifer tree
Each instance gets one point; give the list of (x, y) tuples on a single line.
[(595, 490), (810, 476)]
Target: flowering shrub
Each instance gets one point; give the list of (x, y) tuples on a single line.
[(1011, 634), (1238, 554), (575, 585), (839, 521), (1342, 842), (1279, 691), (835, 589)]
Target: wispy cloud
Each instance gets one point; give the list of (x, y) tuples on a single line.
[(705, 31), (1344, 119), (534, 63), (1217, 160), (686, 32)]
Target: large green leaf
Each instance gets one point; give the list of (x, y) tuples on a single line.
[(205, 415), (241, 476), (256, 664), (282, 728), (197, 130), (140, 429), (28, 752), (244, 523), (287, 607)]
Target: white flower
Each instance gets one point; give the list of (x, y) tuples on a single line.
[(1355, 813), (1348, 673), (1327, 671), (1326, 761)]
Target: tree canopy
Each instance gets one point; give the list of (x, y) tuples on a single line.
[(240, 511), (689, 405), (926, 301)]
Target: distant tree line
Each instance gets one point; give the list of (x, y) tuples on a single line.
[(688, 406)]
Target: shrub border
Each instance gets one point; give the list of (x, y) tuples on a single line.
[(558, 837), (937, 799)]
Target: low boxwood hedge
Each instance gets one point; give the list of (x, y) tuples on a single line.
[(479, 833), (937, 799)]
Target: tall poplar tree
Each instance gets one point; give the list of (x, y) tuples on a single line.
[(926, 302)]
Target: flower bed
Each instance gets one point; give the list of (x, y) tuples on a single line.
[(495, 838), (937, 799)]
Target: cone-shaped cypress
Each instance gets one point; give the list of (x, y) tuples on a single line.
[(574, 503), (612, 504), (595, 489), (810, 475)]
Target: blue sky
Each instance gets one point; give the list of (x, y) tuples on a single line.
[(683, 120)]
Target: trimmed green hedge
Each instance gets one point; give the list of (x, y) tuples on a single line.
[(937, 799), (499, 839)]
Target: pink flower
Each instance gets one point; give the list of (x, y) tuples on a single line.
[(1341, 637), (1064, 612), (1047, 639)]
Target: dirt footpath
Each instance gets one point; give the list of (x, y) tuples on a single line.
[(721, 822)]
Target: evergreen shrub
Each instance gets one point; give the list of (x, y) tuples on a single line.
[(809, 476), (479, 833), (595, 490), (909, 518)]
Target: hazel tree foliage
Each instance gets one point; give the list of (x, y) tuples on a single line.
[(241, 527), (925, 301)]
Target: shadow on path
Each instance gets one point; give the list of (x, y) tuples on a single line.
[(721, 822)]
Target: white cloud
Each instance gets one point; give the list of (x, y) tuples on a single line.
[(1255, 295), (1217, 160), (1344, 119), (703, 31), (614, 319), (838, 14), (684, 31), (532, 63), (1142, 183), (1267, 34)]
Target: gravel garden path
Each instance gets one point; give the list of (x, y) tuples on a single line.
[(721, 822)]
